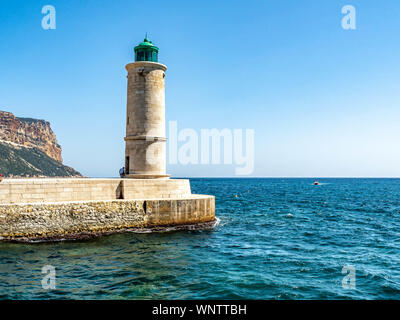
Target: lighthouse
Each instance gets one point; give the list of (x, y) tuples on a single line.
[(145, 141), (145, 198)]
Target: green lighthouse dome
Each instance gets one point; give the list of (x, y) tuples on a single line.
[(146, 51)]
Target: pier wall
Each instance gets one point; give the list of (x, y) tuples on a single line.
[(75, 208), (76, 189), (74, 219)]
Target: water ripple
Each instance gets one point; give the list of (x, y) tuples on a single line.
[(279, 239)]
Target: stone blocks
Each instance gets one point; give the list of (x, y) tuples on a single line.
[(81, 189), (61, 220), (145, 141), (69, 207)]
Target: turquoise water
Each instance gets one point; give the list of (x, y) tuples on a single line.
[(279, 239)]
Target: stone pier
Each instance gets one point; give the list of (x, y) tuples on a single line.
[(144, 198), (48, 209)]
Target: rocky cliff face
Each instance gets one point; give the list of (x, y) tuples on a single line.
[(29, 148), (30, 133)]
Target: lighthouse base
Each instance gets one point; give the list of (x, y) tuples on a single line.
[(147, 176), (63, 209)]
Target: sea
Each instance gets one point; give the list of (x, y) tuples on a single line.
[(275, 239)]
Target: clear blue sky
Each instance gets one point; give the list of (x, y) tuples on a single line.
[(323, 101)]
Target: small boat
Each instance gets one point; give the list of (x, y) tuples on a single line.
[(316, 183)]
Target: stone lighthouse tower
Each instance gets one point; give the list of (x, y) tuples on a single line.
[(145, 141)]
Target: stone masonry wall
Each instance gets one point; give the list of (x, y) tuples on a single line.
[(77, 189), (145, 120), (71, 219)]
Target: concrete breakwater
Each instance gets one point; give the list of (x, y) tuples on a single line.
[(78, 208)]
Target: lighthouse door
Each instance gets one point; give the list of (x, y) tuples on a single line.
[(127, 165)]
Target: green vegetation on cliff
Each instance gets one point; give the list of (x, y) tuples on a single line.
[(22, 161)]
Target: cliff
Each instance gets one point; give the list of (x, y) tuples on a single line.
[(28, 147), (30, 133)]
